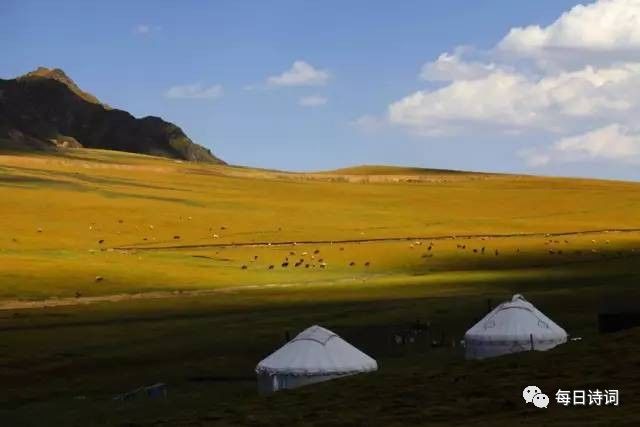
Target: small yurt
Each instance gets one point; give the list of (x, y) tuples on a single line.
[(314, 355), (511, 327)]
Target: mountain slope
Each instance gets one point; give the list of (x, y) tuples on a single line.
[(45, 109)]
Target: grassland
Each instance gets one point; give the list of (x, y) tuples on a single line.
[(186, 295)]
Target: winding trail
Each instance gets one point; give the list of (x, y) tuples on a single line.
[(377, 239)]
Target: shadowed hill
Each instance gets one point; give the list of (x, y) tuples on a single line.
[(45, 109)]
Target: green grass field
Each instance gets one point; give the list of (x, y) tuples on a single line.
[(186, 295)]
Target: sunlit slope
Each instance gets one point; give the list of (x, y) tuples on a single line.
[(393, 170), (66, 219)]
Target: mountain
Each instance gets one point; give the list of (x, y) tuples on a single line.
[(44, 109)]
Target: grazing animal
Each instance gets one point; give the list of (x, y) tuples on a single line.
[(292, 253), (255, 257), (366, 264), (78, 294), (176, 237), (317, 251), (475, 251), (482, 250), (39, 230), (101, 241), (323, 265), (342, 249), (497, 253), (352, 263), (285, 264), (244, 267), (298, 264), (215, 236), (271, 267), (430, 247), (99, 278), (306, 266)]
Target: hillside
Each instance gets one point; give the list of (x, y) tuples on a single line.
[(189, 273), (45, 109), (136, 203), (392, 170)]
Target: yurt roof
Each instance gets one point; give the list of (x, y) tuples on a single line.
[(516, 319), (317, 351)]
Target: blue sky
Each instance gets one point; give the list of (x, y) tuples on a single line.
[(371, 99)]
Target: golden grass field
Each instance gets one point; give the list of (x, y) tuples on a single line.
[(119, 270)]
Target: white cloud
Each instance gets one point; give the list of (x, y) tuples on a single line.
[(145, 29), (575, 79), (312, 101), (507, 101), (300, 74), (369, 124), (194, 91), (602, 25), (614, 142), (535, 157), (142, 29), (450, 67)]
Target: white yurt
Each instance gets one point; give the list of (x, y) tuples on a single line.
[(314, 355), (511, 327)]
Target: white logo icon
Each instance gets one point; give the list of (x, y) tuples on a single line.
[(533, 394), (529, 392), (541, 400)]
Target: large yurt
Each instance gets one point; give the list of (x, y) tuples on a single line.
[(314, 355), (511, 327)]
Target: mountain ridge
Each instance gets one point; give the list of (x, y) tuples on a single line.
[(45, 110)]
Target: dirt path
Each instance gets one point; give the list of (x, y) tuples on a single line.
[(378, 239), (69, 301)]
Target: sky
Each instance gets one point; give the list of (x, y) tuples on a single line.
[(549, 87)]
